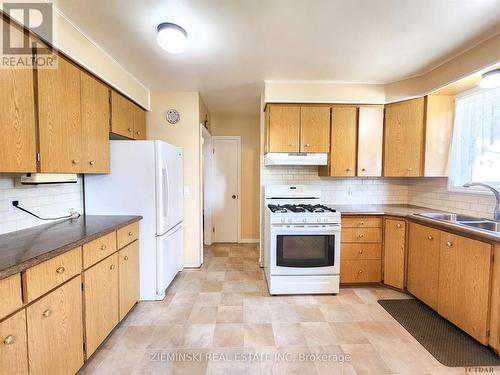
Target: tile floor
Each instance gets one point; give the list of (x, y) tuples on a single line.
[(220, 319)]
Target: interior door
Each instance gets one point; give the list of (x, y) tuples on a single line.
[(225, 189)]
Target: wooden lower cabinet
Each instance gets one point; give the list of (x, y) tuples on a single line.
[(495, 303), (55, 334), (394, 252), (128, 277), (13, 345), (10, 295), (464, 283), (360, 271), (423, 263), (100, 289)]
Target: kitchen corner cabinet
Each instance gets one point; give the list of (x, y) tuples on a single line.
[(394, 252), (127, 119), (295, 128), (404, 133), (128, 260)]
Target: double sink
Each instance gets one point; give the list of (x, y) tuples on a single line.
[(469, 221)]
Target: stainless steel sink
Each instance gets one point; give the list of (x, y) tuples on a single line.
[(449, 217), (493, 226), (469, 221)]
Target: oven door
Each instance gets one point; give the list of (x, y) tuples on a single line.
[(305, 250)]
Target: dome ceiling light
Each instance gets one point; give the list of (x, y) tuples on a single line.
[(172, 38), (490, 79)]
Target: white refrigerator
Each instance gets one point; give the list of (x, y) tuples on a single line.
[(146, 178)]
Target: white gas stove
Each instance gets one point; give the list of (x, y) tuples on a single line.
[(301, 242)]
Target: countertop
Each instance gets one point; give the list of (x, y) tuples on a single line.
[(26, 248), (409, 212)]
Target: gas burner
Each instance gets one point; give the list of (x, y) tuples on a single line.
[(276, 208), (294, 208), (316, 208)]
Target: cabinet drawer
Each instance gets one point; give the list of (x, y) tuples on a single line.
[(361, 235), (360, 271), (99, 249), (362, 222), (13, 346), (354, 251), (10, 295), (44, 277), (127, 234)]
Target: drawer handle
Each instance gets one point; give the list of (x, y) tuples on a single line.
[(130, 233), (74, 161), (103, 247), (410, 169), (348, 169), (9, 340), (138, 133), (112, 267), (429, 237), (361, 235), (398, 225), (292, 144), (361, 223), (47, 313), (129, 130), (125, 257), (360, 272), (449, 244), (60, 270), (91, 162), (360, 252), (307, 145)]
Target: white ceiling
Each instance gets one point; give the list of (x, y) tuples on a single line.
[(237, 44)]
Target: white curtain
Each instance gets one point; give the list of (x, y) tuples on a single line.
[(475, 151)]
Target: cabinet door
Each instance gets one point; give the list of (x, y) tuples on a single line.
[(60, 124), (464, 283), (13, 345), (404, 139), (129, 277), (122, 115), (394, 253), (55, 334), (101, 301), (17, 117), (314, 129), (423, 263), (284, 127), (343, 141), (95, 125), (370, 136), (139, 123)]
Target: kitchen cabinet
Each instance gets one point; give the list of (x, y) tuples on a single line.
[(127, 235), (314, 129), (55, 335), (100, 290), (128, 277), (10, 295), (370, 139), (13, 345), (17, 116), (423, 263), (464, 283), (283, 128), (394, 252), (404, 132), (95, 251), (494, 341), (95, 114), (127, 119)]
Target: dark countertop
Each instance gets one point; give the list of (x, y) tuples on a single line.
[(409, 212), (26, 248)]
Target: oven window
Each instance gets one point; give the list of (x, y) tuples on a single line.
[(305, 251)]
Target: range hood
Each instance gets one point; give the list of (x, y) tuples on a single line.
[(48, 178), (295, 158)]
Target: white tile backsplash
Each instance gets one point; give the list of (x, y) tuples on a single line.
[(44, 200)]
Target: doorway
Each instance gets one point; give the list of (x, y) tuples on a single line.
[(225, 188)]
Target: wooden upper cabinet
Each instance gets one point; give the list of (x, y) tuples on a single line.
[(283, 128), (394, 252), (423, 263), (370, 137), (343, 141), (139, 123), (60, 123), (404, 139), (95, 125), (464, 283), (122, 115), (17, 117), (314, 129)]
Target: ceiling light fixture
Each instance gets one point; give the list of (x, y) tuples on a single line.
[(490, 79), (171, 37)]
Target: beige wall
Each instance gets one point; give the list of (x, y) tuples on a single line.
[(186, 134), (248, 128)]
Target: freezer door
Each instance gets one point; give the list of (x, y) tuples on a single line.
[(170, 253), (169, 186)]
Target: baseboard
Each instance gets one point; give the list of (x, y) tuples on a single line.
[(249, 240)]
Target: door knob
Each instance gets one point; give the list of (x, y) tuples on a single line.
[(233, 196)]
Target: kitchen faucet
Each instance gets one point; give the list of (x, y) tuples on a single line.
[(496, 213)]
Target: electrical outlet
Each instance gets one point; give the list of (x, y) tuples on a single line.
[(11, 206)]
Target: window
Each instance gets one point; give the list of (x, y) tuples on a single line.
[(475, 150)]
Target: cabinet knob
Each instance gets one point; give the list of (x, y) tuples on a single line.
[(361, 223), (129, 130), (363, 169), (75, 161), (307, 145), (91, 162), (292, 144), (103, 247), (429, 237), (60, 270), (47, 313), (410, 169), (125, 257), (449, 244), (360, 252), (9, 340), (398, 225), (361, 235), (138, 133), (348, 169), (112, 267), (130, 233), (360, 272)]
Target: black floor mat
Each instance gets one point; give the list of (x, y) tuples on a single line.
[(447, 343)]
